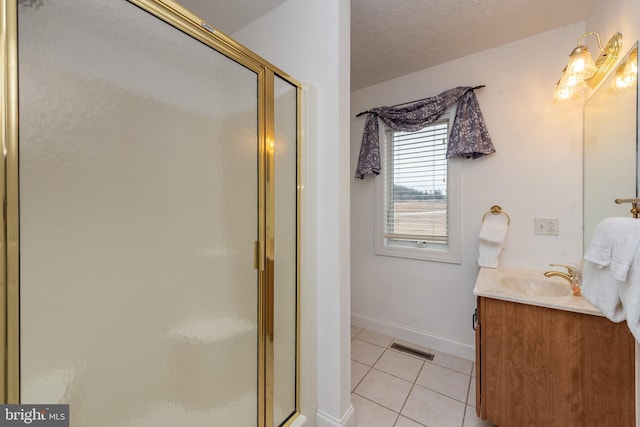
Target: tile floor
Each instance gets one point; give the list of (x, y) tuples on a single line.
[(390, 388)]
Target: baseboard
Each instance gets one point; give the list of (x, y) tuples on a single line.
[(325, 420), (416, 336)]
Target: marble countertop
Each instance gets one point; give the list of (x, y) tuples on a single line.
[(488, 285)]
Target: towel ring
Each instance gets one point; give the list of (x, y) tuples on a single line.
[(497, 210)]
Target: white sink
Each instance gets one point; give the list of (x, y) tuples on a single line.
[(534, 286), (526, 286)]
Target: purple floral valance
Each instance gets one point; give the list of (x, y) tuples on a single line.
[(469, 136)]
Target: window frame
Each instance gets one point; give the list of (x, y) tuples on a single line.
[(449, 252)]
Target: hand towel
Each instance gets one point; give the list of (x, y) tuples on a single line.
[(614, 244), (611, 276), (490, 240), (600, 287), (630, 296), (493, 232)]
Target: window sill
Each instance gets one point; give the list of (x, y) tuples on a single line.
[(437, 253)]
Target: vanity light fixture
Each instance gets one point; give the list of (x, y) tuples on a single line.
[(582, 71), (626, 74)]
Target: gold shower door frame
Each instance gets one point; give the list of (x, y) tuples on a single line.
[(178, 17)]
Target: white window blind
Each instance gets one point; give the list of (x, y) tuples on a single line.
[(415, 198)]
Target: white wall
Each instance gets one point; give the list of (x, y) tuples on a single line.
[(608, 16), (536, 172), (309, 39)]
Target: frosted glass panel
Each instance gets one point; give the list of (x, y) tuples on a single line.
[(285, 269), (138, 202)]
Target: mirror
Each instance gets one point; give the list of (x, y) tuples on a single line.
[(610, 146)]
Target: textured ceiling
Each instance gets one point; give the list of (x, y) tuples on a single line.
[(390, 38)]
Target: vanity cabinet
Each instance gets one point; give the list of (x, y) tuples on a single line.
[(539, 366)]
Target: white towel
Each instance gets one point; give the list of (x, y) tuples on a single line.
[(611, 277), (493, 231), (614, 244), (490, 240), (600, 288)]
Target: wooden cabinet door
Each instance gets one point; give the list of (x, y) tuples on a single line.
[(546, 367)]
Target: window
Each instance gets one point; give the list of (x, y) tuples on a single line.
[(417, 195)]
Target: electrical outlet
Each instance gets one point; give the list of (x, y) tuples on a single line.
[(548, 226)]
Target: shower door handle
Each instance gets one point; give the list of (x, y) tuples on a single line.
[(258, 252)]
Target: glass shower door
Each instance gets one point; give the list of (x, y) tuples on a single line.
[(138, 163)]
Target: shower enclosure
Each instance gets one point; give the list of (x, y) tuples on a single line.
[(150, 241)]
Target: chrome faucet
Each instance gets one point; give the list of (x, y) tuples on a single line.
[(570, 276)]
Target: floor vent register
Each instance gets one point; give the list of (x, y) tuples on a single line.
[(412, 351)]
